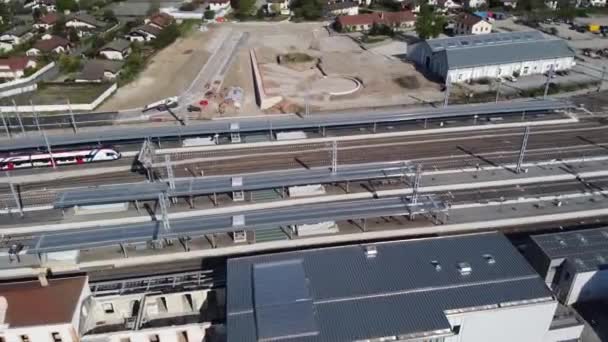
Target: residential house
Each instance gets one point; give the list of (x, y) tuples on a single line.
[(364, 22), (14, 67), (17, 35), (470, 24), (447, 5), (467, 58), (159, 20), (47, 21), (84, 23), (219, 5), (117, 49), (283, 6), (334, 8), (44, 5), (509, 3), (475, 3), (594, 3), (43, 310), (143, 33), (99, 70), (54, 44)]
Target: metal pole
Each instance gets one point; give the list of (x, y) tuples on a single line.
[(14, 192), (48, 148), (416, 184), (498, 89), (8, 131), (18, 116), (549, 76), (35, 116), (334, 157), (522, 150), (163, 210), (72, 116), (599, 86), (448, 85)]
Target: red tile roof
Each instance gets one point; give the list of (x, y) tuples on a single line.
[(161, 19), (15, 63), (31, 304), (469, 19), (47, 45), (387, 18), (49, 18)]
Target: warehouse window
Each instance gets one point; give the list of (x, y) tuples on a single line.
[(25, 338), (108, 308), (56, 337)]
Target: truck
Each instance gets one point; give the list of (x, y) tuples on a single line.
[(169, 102)]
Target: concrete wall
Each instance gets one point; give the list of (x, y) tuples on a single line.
[(493, 71), (194, 332), (63, 107), (521, 323), (23, 85), (41, 333), (588, 286), (262, 100)]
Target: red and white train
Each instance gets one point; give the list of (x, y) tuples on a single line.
[(45, 159)]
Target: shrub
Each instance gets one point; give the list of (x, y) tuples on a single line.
[(209, 14)]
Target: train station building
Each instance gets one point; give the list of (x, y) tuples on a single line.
[(458, 288)]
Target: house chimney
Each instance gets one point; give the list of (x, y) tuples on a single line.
[(42, 279), (3, 310)]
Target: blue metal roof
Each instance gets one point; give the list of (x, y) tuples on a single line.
[(586, 249), (356, 297)]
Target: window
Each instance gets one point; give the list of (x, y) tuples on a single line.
[(56, 337), (154, 338), (24, 338), (125, 339), (182, 336), (108, 308), (2, 339), (456, 329)]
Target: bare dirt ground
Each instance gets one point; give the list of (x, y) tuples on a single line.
[(168, 73), (339, 56)]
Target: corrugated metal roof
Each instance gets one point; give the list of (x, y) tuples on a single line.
[(586, 249), (357, 297), (499, 48)]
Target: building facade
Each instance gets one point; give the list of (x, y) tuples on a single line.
[(470, 24), (467, 58), (468, 288), (573, 264)]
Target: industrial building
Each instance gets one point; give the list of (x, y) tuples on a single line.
[(574, 264), (467, 58), (459, 288)]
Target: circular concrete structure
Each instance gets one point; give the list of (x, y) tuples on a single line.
[(336, 85)]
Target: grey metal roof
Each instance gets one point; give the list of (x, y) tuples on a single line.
[(397, 292), (114, 134), (587, 249), (499, 48), (220, 184), (117, 45), (19, 31), (94, 69)]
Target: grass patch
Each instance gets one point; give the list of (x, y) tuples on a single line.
[(296, 57), (373, 39), (60, 93), (188, 26)]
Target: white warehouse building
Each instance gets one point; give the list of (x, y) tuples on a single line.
[(466, 288), (467, 58), (574, 264)]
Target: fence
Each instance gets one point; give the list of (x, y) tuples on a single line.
[(62, 107), (14, 87)]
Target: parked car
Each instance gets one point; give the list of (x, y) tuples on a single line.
[(510, 78), (562, 72)]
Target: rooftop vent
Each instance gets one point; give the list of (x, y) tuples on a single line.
[(561, 241), (371, 251), (436, 265), (582, 239), (489, 259), (605, 234), (464, 268)]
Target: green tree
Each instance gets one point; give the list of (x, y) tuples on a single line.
[(108, 15), (68, 64), (154, 7), (73, 36), (244, 8), (209, 14), (67, 5), (308, 9), (167, 36), (59, 27), (428, 23)]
